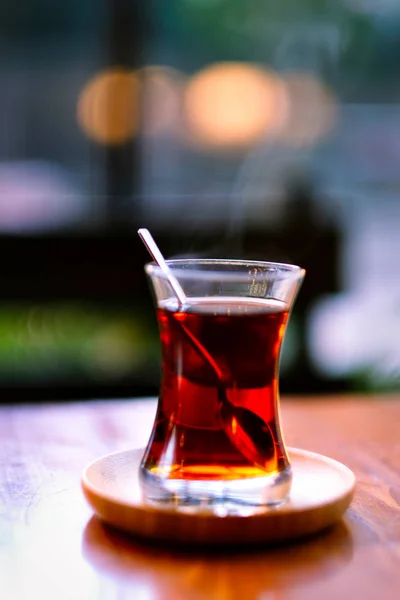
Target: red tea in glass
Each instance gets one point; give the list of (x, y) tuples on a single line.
[(217, 430)]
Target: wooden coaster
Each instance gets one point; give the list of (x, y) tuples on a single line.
[(322, 490)]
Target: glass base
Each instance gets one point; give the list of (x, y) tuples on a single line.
[(271, 490)]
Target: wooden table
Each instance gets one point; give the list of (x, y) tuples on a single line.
[(51, 547)]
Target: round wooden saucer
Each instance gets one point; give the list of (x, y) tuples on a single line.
[(322, 490)]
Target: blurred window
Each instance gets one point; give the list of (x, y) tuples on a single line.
[(230, 128)]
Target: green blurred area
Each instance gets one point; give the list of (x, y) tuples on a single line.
[(45, 343), (348, 43)]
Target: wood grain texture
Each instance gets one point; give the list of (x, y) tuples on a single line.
[(52, 547)]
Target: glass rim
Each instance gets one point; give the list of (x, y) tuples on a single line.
[(285, 270)]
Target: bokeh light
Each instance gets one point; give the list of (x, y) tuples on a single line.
[(233, 105), (108, 106), (38, 196), (162, 100), (313, 110)]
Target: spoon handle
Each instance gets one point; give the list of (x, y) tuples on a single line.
[(153, 249)]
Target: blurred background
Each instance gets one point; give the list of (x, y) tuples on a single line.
[(229, 128)]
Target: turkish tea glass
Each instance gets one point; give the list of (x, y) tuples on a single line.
[(217, 433)]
